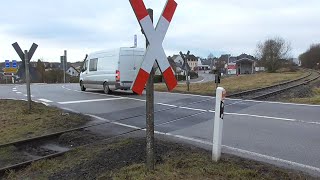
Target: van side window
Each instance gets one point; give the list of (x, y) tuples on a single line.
[(85, 66), (93, 64)]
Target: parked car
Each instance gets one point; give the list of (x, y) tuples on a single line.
[(111, 69)]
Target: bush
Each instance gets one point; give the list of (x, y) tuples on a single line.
[(158, 79), (73, 79), (181, 78), (193, 75)]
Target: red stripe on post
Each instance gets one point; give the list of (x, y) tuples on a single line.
[(140, 82), (170, 79), (139, 9), (169, 10)]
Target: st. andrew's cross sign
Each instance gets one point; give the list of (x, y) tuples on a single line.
[(155, 50)]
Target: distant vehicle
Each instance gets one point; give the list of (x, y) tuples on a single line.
[(111, 70)]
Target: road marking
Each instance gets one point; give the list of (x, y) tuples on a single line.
[(272, 102), (268, 102), (71, 110), (275, 118), (97, 117), (142, 100), (179, 119), (19, 92), (212, 111), (26, 95), (45, 100), (238, 114), (46, 104), (270, 158), (14, 90), (265, 117), (193, 109), (167, 105), (195, 95), (90, 100)]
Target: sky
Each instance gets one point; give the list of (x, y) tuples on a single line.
[(201, 26)]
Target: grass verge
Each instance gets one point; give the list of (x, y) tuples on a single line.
[(123, 159), (236, 83), (17, 124)]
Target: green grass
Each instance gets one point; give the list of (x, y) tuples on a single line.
[(17, 124), (314, 99), (236, 83)]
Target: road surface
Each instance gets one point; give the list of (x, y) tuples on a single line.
[(279, 133)]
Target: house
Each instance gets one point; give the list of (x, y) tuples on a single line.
[(203, 67), (72, 71), (192, 61), (242, 64), (180, 67), (173, 67)]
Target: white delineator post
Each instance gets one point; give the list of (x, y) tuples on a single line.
[(218, 124)]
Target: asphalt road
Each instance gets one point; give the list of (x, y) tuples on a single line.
[(283, 134)]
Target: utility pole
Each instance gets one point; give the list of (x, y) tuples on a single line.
[(65, 65), (62, 59), (26, 63), (150, 113), (186, 66)]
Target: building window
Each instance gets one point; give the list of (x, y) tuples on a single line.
[(93, 64)]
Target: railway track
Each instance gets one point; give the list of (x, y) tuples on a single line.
[(265, 92)]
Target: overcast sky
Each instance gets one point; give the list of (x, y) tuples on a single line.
[(201, 26)]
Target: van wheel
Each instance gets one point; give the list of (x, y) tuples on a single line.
[(106, 89), (82, 86)]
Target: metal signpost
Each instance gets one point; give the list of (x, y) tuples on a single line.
[(186, 67), (218, 124), (26, 57), (63, 68), (64, 63), (217, 79), (154, 52)]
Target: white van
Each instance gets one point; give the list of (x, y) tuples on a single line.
[(111, 70)]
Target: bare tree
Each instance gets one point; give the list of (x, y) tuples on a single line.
[(273, 52), (41, 70), (311, 58)]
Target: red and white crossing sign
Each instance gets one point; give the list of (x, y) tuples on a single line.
[(155, 50)]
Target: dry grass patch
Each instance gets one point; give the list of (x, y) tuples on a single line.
[(314, 99), (124, 159), (17, 124), (236, 83)]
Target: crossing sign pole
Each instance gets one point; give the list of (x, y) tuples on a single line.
[(26, 56), (150, 113), (154, 53)]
